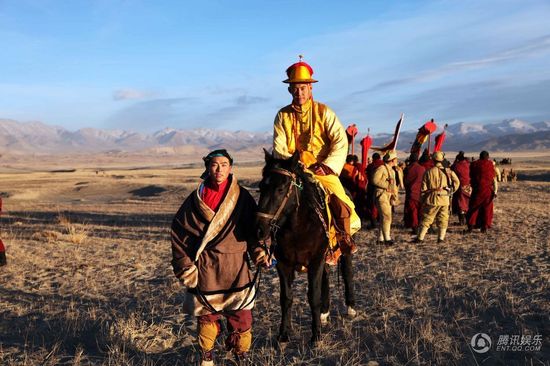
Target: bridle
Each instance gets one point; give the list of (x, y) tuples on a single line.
[(274, 218)]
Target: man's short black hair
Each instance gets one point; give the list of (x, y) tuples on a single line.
[(214, 154), (375, 156), (352, 159), (484, 155)]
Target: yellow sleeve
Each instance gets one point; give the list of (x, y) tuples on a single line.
[(280, 142), (338, 142)]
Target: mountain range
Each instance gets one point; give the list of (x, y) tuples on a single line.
[(39, 138)]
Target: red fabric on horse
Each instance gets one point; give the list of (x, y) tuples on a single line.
[(480, 212), (413, 184), (461, 198)]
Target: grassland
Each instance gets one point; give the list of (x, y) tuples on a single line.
[(89, 280)]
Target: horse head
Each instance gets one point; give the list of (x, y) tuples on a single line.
[(280, 188)]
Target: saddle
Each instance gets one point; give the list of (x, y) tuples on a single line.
[(326, 217)]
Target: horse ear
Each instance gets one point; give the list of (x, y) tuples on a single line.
[(268, 156)]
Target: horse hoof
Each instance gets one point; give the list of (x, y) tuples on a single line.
[(283, 338), (324, 318), (351, 312), (315, 339)]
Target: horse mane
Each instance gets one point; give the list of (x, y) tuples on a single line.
[(312, 193)]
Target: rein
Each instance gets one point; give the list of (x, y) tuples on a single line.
[(273, 218), (293, 183)]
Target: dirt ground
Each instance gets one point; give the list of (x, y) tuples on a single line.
[(89, 281)]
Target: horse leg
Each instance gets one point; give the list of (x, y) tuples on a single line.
[(286, 277), (314, 277), (325, 296), (346, 267)]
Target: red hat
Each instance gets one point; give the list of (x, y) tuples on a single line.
[(300, 72)]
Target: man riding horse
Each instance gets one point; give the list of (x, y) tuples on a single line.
[(313, 129)]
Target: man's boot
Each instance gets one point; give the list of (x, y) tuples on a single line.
[(461, 219), (341, 215), (332, 256), (207, 358)]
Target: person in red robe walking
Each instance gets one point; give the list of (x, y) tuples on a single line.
[(461, 198), (413, 184), (372, 211), (484, 191)]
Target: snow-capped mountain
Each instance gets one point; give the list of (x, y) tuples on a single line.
[(37, 137)]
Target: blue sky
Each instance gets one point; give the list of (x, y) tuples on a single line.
[(146, 65)]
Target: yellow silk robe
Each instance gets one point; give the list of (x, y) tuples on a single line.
[(315, 131)]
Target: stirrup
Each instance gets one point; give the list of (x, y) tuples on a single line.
[(332, 256), (347, 244)]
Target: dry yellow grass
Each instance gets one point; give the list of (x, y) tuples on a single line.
[(89, 281)]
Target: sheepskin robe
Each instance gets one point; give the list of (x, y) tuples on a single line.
[(209, 251)]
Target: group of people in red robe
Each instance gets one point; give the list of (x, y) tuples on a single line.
[(472, 202)]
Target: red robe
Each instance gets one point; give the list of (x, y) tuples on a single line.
[(480, 212), (372, 211), (413, 185), (461, 198), (348, 177)]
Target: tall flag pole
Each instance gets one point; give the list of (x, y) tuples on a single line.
[(366, 143), (392, 145), (439, 139), (423, 134), (351, 132)]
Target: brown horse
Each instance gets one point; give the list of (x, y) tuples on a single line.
[(291, 210)]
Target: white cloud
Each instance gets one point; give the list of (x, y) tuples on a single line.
[(130, 94)]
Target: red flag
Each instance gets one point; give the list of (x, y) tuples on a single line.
[(366, 143), (365, 146), (439, 139), (393, 143), (351, 131), (422, 136)]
